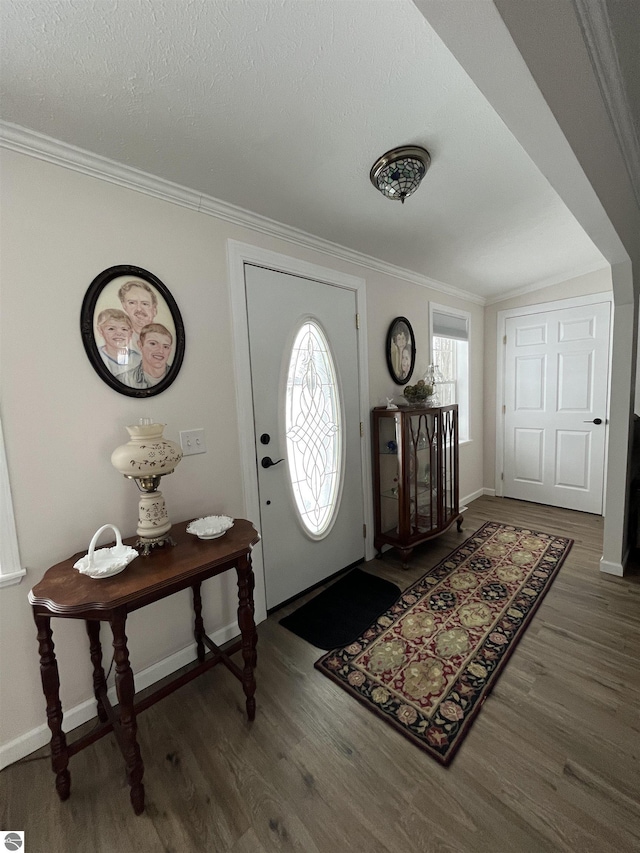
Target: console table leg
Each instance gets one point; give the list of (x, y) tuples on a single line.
[(126, 692), (248, 631), (99, 680), (199, 623), (252, 584), (51, 687)]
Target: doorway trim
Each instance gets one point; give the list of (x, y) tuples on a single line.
[(540, 308), (237, 255)]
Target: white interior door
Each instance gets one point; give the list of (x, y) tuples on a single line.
[(311, 510), (556, 389)]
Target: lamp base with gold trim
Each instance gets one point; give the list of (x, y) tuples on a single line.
[(145, 544), (153, 523)]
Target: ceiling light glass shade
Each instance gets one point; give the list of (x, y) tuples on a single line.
[(397, 174)]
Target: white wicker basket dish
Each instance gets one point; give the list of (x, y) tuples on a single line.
[(106, 561)]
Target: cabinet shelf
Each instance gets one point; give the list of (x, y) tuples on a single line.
[(415, 488), (422, 489)]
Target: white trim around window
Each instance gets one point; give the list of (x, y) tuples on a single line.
[(454, 323), (11, 572)]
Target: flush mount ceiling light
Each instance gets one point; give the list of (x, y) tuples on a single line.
[(397, 174)]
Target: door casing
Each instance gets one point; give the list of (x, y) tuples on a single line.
[(527, 310), (237, 255)]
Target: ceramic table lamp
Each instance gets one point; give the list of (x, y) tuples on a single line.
[(145, 458)]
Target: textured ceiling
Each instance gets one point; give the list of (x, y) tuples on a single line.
[(281, 107)]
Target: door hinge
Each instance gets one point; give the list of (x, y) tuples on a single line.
[(502, 476), (364, 531), (504, 340), (361, 429), (504, 410), (357, 321)]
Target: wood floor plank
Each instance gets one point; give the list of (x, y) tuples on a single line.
[(552, 762)]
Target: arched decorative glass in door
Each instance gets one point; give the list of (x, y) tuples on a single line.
[(314, 430)]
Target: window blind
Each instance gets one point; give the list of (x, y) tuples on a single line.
[(450, 326)]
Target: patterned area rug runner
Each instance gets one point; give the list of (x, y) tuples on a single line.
[(427, 664)]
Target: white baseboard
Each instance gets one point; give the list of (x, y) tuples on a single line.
[(610, 568), (490, 492), (468, 498), (76, 716)]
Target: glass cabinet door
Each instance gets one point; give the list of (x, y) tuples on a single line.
[(389, 474), (422, 470), (449, 465)]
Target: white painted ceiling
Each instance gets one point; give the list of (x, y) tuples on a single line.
[(281, 107)]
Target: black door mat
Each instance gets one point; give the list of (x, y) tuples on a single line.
[(343, 611)]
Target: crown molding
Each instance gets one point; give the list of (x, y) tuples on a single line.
[(540, 285), (33, 144), (596, 28)]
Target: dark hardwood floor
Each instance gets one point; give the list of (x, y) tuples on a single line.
[(552, 762)]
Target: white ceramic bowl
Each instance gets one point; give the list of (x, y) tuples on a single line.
[(210, 527)]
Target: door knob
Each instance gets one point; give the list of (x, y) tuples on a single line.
[(597, 421), (267, 462)]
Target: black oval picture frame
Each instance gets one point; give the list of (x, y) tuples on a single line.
[(132, 331), (400, 345)]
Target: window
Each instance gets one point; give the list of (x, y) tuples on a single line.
[(450, 352), (313, 420)]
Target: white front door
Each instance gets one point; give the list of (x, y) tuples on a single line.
[(556, 390), (304, 377)]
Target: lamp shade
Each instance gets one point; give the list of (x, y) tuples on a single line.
[(147, 453), (397, 174)]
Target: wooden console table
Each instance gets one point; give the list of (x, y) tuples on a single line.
[(64, 592)]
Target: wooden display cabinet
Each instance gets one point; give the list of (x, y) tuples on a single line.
[(415, 463)]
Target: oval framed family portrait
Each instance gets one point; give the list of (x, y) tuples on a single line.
[(132, 331), (401, 350)]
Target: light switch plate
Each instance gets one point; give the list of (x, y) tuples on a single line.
[(192, 441)]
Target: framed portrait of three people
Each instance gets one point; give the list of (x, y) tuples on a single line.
[(132, 331), (400, 350)]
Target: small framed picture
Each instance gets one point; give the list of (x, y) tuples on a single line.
[(132, 331), (401, 350)]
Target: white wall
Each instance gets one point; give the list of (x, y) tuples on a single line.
[(409, 301), (61, 422)]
